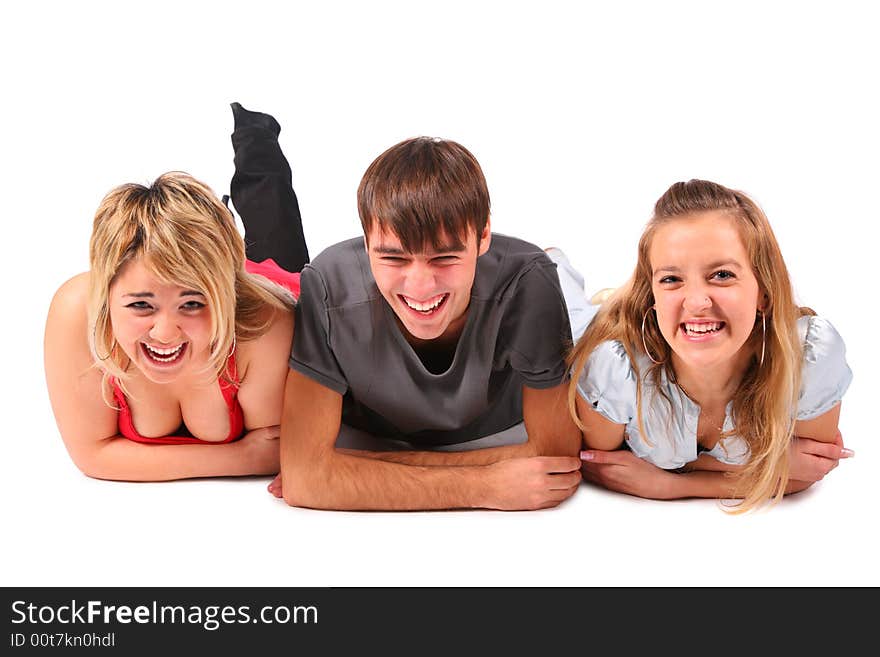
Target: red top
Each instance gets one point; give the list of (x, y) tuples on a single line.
[(229, 388), (273, 271)]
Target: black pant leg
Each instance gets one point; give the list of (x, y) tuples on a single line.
[(262, 192)]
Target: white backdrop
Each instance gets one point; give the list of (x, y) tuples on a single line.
[(581, 115)]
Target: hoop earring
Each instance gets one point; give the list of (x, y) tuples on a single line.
[(763, 336), (644, 342)]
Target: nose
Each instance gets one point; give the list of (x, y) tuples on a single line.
[(420, 281), (697, 299), (164, 329)]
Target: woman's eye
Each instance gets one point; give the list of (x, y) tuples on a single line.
[(669, 279), (193, 305), (139, 305), (723, 275)]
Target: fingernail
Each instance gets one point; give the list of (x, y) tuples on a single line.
[(846, 453), (586, 456)]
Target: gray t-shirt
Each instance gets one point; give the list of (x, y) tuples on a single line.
[(516, 333)]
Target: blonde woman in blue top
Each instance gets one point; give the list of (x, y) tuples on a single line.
[(703, 365)]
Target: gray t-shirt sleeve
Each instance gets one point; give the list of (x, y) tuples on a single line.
[(536, 331), (311, 353)]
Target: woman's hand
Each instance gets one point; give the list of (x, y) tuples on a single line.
[(624, 472), (261, 450), (275, 486), (810, 460)]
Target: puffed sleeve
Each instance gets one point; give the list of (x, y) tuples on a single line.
[(312, 353), (825, 375), (608, 382)]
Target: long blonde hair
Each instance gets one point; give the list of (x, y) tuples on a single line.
[(764, 402), (182, 232)]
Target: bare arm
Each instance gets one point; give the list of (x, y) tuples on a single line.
[(549, 427), (822, 428), (262, 368), (814, 453), (816, 450), (315, 474), (89, 427), (599, 432)]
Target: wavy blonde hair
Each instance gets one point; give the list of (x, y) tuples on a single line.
[(186, 237), (764, 401)]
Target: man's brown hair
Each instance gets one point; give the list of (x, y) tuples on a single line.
[(426, 191)]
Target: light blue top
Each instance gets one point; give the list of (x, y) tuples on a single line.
[(608, 383)]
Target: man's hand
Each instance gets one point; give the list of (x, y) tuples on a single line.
[(536, 482), (624, 472)]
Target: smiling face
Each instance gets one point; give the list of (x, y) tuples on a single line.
[(164, 329), (706, 295), (429, 292)]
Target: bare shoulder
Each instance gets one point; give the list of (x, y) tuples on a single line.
[(67, 320), (71, 296), (262, 367), (270, 349), (73, 382)]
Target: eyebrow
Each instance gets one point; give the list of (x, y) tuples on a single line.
[(383, 249), (713, 265), (150, 295)]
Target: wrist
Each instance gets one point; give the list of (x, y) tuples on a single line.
[(242, 458), (255, 455), (677, 485), (483, 487)]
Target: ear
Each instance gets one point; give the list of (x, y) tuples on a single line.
[(485, 238), (763, 301)]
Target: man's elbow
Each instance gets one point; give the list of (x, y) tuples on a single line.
[(301, 487), (299, 496)]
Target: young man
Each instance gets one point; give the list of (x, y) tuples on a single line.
[(430, 330)]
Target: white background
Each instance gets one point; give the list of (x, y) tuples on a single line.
[(581, 115)]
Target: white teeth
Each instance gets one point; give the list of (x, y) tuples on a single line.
[(423, 307), (164, 355), (702, 327), (165, 352)]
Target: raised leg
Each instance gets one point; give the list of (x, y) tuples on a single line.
[(262, 192)]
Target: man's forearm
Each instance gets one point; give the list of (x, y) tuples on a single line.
[(484, 456), (346, 482)]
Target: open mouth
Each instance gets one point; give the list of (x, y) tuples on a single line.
[(701, 329), (164, 356), (427, 308)]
